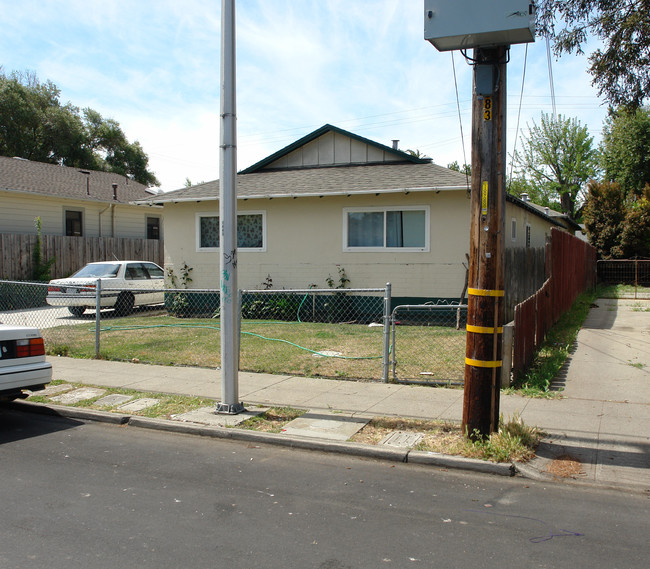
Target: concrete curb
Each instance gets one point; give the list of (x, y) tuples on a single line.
[(72, 412), (459, 462), (292, 441)]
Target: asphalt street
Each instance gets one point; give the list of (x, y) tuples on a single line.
[(90, 495)]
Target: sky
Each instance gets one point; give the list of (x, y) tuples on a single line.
[(361, 65)]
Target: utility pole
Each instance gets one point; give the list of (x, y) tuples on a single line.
[(229, 295), (490, 28), (485, 310)]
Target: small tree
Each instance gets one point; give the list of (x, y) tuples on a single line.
[(40, 268)]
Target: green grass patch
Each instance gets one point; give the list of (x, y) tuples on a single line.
[(623, 291), (548, 361), (168, 404), (296, 348), (514, 442), (272, 420)]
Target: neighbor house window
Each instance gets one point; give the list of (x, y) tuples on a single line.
[(528, 230), (386, 228), (513, 229), (153, 228), (251, 230), (73, 223)]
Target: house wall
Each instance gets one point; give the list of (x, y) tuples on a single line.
[(540, 230), (304, 245), (333, 148), (18, 211)]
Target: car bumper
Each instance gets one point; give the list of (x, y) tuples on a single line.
[(87, 300), (24, 375)]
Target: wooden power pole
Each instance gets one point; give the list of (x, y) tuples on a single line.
[(485, 310)]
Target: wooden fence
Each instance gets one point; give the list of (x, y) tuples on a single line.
[(524, 274), (70, 253), (572, 267)]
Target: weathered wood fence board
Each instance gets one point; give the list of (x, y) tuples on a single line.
[(70, 253), (572, 266)]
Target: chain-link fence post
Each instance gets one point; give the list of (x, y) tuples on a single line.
[(98, 294), (386, 350)]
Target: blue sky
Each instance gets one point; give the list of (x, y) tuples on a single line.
[(362, 65)]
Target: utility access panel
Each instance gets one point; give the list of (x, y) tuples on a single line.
[(465, 24)]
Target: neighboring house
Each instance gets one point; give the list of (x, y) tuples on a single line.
[(562, 219), (336, 200), (73, 202)]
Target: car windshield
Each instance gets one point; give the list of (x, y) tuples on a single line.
[(98, 270)]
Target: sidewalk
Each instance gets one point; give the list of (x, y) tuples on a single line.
[(602, 423)]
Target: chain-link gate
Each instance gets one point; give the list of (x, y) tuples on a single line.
[(428, 343)]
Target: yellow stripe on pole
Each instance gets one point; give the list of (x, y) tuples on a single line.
[(483, 329), (482, 363), (485, 292)]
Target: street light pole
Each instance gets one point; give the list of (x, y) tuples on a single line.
[(229, 304)]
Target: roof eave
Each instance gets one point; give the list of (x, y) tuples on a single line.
[(314, 194)]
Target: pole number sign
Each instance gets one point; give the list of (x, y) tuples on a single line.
[(487, 108)]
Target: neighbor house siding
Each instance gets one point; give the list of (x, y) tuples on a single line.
[(19, 210), (540, 229)]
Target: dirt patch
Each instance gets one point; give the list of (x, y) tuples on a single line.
[(566, 466)]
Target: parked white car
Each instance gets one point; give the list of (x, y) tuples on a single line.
[(124, 284), (22, 361)]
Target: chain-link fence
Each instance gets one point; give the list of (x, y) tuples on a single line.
[(341, 333), (428, 343), (330, 333), (629, 277), (316, 332)]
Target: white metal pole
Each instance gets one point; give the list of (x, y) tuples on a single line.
[(228, 217)]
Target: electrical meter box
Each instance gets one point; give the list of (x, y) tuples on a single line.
[(465, 24)]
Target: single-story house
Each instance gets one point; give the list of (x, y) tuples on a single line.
[(73, 202), (335, 200)]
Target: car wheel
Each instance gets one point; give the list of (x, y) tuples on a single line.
[(77, 310), (124, 304)]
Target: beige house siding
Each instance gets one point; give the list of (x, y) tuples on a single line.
[(331, 149), (540, 230), (19, 210), (304, 245)]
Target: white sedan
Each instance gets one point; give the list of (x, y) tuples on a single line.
[(124, 284), (22, 361)]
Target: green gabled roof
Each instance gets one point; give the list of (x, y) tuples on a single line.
[(404, 156)]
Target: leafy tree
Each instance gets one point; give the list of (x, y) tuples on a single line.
[(618, 225), (35, 125), (416, 153), (620, 69), (455, 166), (626, 149), (556, 160), (604, 216)]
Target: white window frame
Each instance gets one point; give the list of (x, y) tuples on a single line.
[(384, 248), (202, 214)]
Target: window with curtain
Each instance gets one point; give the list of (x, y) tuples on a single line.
[(250, 231), (387, 228)]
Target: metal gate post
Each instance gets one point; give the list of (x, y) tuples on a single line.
[(98, 295), (386, 332)]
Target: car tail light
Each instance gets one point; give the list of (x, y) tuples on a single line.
[(53, 289), (30, 347)]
